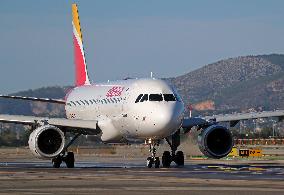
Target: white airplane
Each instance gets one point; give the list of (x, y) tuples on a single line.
[(121, 111)]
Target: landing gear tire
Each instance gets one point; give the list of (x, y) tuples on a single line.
[(166, 159), (157, 162), (179, 158), (69, 160), (149, 162), (56, 162)]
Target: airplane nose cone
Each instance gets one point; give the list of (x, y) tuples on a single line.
[(161, 120), (167, 120)]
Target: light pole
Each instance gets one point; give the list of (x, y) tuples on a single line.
[(273, 128)]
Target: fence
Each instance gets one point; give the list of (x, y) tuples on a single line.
[(259, 141)]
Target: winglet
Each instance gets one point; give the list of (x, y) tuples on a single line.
[(79, 55)]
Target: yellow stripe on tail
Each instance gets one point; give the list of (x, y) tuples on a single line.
[(76, 21)]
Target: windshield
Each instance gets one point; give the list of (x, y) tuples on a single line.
[(156, 97), (144, 98), (138, 98), (169, 97)]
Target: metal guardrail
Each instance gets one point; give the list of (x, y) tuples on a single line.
[(259, 141)]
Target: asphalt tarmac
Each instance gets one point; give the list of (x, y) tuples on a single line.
[(129, 176)]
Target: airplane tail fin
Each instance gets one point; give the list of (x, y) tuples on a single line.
[(79, 55)]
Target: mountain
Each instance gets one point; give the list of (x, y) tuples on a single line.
[(24, 107), (235, 84), (230, 85)]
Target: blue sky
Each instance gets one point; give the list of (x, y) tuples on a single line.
[(125, 38)]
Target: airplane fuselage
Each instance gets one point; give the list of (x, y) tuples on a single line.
[(133, 109)]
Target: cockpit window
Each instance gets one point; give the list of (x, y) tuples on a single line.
[(178, 98), (144, 98), (169, 97), (138, 98), (156, 97)]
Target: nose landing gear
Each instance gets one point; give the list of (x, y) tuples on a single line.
[(152, 160)]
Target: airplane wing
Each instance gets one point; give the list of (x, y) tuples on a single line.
[(86, 127), (233, 119), (245, 116), (48, 100)]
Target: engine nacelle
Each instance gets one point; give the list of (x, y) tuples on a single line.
[(215, 141), (46, 141)]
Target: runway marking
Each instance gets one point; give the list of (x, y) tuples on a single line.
[(7, 172), (256, 169), (38, 171), (143, 188), (213, 167)]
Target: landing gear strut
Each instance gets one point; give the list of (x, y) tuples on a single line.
[(152, 160), (173, 156), (64, 156)]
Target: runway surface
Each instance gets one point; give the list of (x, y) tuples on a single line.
[(117, 177)]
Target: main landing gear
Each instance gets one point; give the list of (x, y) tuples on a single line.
[(67, 157), (168, 157), (174, 155)]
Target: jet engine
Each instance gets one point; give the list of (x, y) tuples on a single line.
[(215, 141), (46, 141)]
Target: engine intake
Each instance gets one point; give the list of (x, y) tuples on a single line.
[(47, 141), (215, 141)]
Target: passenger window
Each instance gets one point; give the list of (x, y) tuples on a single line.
[(73, 103), (69, 104), (86, 102), (169, 97), (138, 98), (144, 98), (78, 103), (156, 97), (82, 102)]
